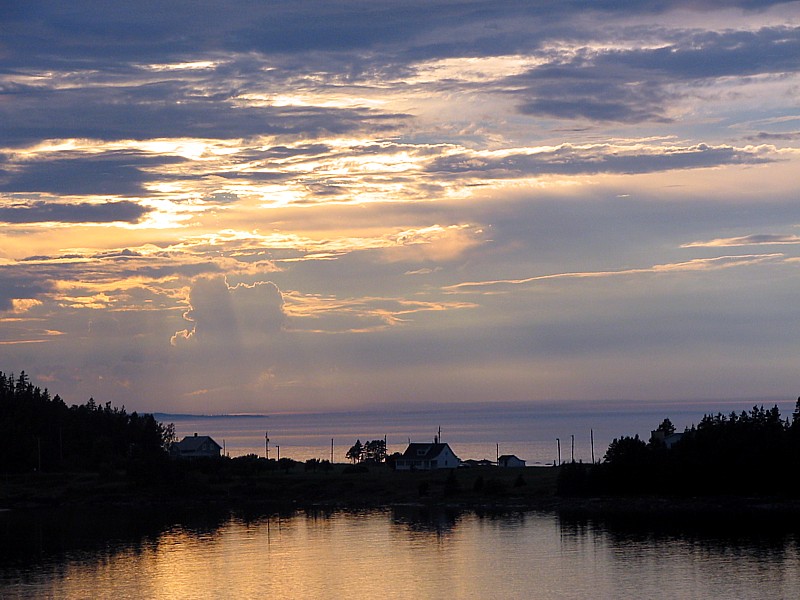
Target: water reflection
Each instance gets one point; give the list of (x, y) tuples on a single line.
[(437, 522), (404, 552), (46, 535), (716, 555), (763, 535)]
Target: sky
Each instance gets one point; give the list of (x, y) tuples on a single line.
[(275, 206)]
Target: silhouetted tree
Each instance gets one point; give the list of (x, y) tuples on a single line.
[(39, 430), (751, 452), (666, 427), (374, 450), (626, 451), (371, 450), (356, 452)]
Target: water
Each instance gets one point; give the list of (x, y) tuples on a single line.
[(393, 553), (530, 431)]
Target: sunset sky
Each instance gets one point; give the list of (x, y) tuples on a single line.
[(263, 206)]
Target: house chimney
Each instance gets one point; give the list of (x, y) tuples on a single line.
[(195, 435)]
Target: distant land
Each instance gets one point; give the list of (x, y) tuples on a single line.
[(166, 416)]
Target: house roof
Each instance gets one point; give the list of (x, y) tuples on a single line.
[(418, 451), (509, 457), (193, 442)]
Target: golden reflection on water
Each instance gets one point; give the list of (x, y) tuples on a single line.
[(410, 553)]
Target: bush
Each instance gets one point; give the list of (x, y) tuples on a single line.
[(495, 487), (353, 469), (451, 485), (423, 488)]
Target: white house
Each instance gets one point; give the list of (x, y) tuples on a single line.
[(426, 457), (509, 460), (195, 446), (668, 440)]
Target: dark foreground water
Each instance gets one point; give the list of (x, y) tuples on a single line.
[(393, 553)]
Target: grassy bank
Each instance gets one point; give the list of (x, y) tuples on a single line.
[(340, 486), (343, 487)]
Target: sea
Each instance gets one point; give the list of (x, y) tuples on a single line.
[(539, 433)]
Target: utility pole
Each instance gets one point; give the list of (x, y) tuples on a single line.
[(558, 443), (266, 443), (591, 438), (497, 454), (573, 448), (331, 450), (279, 453)]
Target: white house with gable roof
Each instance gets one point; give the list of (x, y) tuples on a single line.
[(195, 446), (427, 457)]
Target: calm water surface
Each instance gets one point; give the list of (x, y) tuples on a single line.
[(397, 553)]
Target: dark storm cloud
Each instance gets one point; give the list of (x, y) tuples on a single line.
[(106, 266), (585, 90), (633, 85), (254, 176), (574, 161), (788, 136), (12, 288), (41, 32), (97, 87), (124, 254), (304, 150), (111, 174), (102, 33), (713, 54), (161, 111), (186, 269), (83, 212)]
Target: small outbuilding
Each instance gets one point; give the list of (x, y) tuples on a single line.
[(427, 457), (195, 446), (510, 461)]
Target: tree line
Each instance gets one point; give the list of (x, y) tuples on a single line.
[(754, 452), (40, 432), (369, 451)]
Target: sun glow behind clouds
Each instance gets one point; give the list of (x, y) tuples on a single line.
[(197, 65), (473, 69), (323, 100)]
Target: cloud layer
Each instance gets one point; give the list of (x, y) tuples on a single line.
[(261, 206)]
